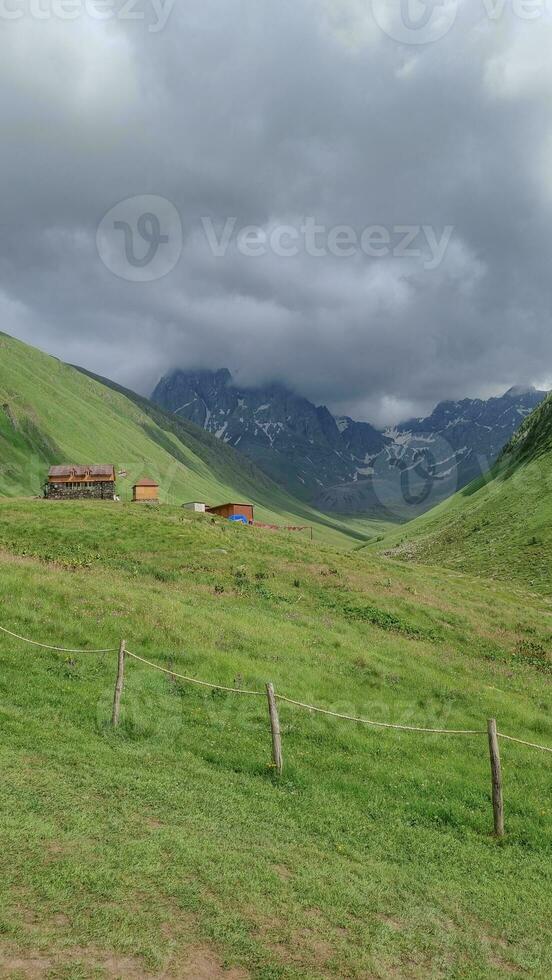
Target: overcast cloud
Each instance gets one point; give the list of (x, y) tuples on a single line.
[(271, 112)]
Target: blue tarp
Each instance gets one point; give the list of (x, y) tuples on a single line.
[(239, 519)]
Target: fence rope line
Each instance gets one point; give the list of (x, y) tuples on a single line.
[(379, 724), (281, 697), (192, 680), (336, 714), (46, 646), (520, 741), (300, 704)]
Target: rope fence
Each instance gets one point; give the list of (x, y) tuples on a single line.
[(379, 724), (491, 731), (46, 646), (192, 680), (520, 741), (301, 704)]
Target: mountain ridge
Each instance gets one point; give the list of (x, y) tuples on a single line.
[(346, 466)]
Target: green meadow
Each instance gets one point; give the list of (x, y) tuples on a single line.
[(169, 848)]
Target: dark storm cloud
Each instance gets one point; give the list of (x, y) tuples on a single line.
[(270, 113)]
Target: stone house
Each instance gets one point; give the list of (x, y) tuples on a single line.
[(81, 483)]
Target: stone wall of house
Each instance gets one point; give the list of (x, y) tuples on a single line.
[(80, 491)]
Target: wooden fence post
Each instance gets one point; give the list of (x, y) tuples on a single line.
[(496, 773), (275, 729), (119, 684)]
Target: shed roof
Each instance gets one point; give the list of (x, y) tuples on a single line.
[(230, 503), (146, 482)]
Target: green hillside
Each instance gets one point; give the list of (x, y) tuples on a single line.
[(53, 413), (170, 849), (498, 527)]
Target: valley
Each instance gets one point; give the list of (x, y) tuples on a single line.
[(55, 413), (275, 490), (169, 846)]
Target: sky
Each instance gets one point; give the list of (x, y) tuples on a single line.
[(353, 198)]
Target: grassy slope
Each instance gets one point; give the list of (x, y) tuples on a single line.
[(499, 526), (170, 847), (63, 415)]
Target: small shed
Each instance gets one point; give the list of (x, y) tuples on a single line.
[(70, 482), (146, 490), (233, 510), (196, 505)]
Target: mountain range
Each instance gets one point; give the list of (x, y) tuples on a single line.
[(342, 465)]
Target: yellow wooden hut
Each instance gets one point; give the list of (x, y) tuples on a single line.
[(146, 491)]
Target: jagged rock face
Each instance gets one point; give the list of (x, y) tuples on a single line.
[(296, 443), (349, 466)]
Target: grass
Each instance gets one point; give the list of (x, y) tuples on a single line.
[(55, 413), (170, 848)]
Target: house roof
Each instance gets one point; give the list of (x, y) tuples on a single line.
[(146, 482), (80, 471), (61, 471)]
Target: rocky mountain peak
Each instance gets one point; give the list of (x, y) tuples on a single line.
[(340, 464), (517, 391)]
